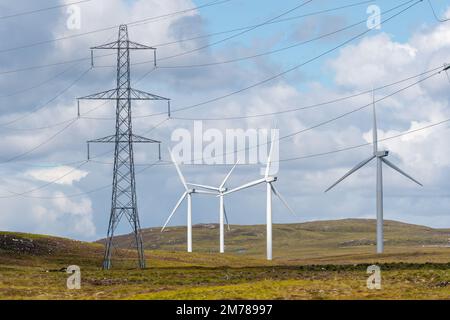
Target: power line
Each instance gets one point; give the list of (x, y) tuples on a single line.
[(270, 52), (435, 14), (6, 124), (320, 124), (315, 155), (108, 118), (131, 24), (312, 106), (75, 195), (183, 40), (40, 84), (51, 65), (295, 67), (282, 138), (54, 125), (369, 143), (70, 163), (57, 124), (169, 163), (237, 34), (69, 172), (273, 22), (278, 75), (29, 151), (388, 19), (319, 104), (290, 135), (314, 127), (358, 109), (323, 123), (295, 109), (42, 9)]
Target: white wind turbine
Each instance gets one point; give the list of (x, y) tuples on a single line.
[(187, 194), (270, 188), (380, 156), (220, 192)]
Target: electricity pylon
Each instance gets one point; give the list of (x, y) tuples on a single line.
[(124, 183)]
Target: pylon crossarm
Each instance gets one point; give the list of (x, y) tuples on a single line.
[(137, 46), (120, 44), (112, 139), (134, 139), (141, 95), (113, 95), (104, 95), (110, 45), (140, 139)]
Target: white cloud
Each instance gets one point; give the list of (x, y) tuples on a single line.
[(60, 216), (63, 175), (373, 61)]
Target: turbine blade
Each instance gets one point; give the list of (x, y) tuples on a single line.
[(356, 168), (228, 175), (183, 181), (174, 210), (204, 187), (245, 186), (226, 217), (393, 166), (269, 160), (375, 127), (205, 192), (278, 194)]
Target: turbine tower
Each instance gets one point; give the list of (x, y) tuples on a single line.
[(124, 201), (270, 188), (380, 156), (187, 194), (222, 211)]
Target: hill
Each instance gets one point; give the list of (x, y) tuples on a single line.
[(316, 260), (307, 242)]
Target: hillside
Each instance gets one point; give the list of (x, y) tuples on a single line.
[(317, 260), (296, 242)]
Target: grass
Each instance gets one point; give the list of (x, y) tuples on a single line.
[(320, 260)]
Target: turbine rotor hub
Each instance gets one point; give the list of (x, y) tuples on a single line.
[(271, 179)]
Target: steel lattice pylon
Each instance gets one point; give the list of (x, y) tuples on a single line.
[(123, 201)]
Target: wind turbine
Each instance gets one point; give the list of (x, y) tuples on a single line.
[(270, 188), (222, 211), (380, 156), (187, 194)]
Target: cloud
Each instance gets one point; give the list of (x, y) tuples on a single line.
[(372, 61), (60, 216), (63, 175)]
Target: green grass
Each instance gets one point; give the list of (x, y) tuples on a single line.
[(319, 260)]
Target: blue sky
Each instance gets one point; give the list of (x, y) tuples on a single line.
[(226, 17), (408, 45)]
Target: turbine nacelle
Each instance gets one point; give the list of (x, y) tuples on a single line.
[(381, 154), (381, 158), (271, 179), (223, 190)]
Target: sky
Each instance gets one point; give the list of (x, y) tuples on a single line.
[(47, 186)]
